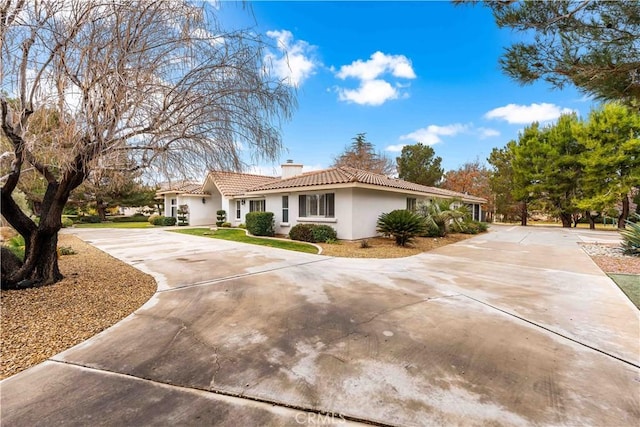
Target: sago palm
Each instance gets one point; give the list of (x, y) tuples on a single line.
[(402, 224)]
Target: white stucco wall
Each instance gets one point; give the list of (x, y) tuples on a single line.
[(356, 210), (341, 222), (199, 213), (369, 205)]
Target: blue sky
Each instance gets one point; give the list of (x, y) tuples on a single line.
[(403, 72)]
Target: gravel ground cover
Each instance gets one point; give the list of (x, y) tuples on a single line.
[(612, 260), (97, 292)]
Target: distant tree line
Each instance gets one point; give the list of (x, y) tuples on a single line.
[(571, 168)]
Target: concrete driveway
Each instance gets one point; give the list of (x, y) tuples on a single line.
[(514, 327)]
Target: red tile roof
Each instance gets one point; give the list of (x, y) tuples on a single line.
[(182, 187), (344, 175), (236, 184), (233, 184)]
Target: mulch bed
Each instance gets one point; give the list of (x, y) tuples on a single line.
[(381, 247), (97, 291)]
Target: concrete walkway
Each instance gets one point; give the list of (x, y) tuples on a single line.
[(514, 327)]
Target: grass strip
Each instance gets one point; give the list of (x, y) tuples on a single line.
[(236, 235), (114, 225), (630, 285)]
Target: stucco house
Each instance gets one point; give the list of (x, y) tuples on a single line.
[(350, 200)]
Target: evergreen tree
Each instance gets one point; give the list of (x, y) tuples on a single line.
[(418, 163), (593, 45), (501, 182), (611, 158)]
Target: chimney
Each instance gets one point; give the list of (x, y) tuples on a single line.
[(290, 169)]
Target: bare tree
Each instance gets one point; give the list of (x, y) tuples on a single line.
[(361, 155), (131, 84)]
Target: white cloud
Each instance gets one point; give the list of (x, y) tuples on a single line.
[(431, 134), (524, 114), (370, 92), (294, 62), (372, 89), (378, 64), (487, 133), (395, 148)]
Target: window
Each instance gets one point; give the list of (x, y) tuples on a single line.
[(411, 204), (174, 208), (285, 208), (256, 206), (238, 210), (317, 205)]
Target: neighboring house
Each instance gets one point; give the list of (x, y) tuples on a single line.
[(350, 200)]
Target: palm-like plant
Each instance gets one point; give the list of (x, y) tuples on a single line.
[(631, 236), (402, 224), (440, 216)]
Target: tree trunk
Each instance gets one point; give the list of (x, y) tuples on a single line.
[(40, 265), (523, 214), (592, 221), (625, 211), (566, 220), (102, 210)]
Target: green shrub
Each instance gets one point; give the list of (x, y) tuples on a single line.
[(164, 220), (153, 218), (66, 222), (631, 236), (221, 216), (402, 224), (313, 233), (441, 214), (302, 232), (473, 227), (89, 219), (431, 230), (242, 225), (70, 210), (169, 221), (17, 246), (225, 224), (322, 233), (134, 218), (260, 223), (183, 215), (66, 250)]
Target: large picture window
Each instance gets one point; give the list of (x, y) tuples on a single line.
[(317, 205)]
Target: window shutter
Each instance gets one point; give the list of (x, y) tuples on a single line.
[(302, 206), (330, 200)]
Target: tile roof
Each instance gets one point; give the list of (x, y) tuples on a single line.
[(182, 187), (233, 183), (344, 175)]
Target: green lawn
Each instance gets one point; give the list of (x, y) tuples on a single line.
[(237, 235), (630, 285), (115, 225)]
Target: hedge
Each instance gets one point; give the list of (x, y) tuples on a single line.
[(164, 221), (260, 223), (313, 233), (134, 218)]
